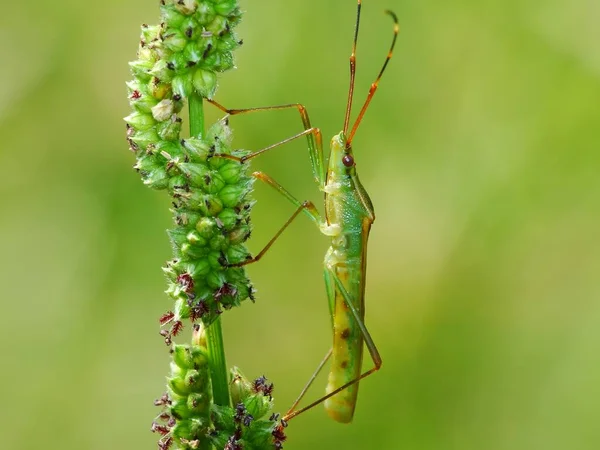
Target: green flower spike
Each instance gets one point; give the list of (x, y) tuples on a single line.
[(185, 418), (210, 189), (190, 420), (251, 424), (178, 61)]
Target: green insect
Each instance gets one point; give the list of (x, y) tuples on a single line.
[(348, 218)]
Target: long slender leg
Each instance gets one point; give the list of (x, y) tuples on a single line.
[(311, 212), (308, 132), (310, 381), (315, 141), (375, 356), (307, 206)]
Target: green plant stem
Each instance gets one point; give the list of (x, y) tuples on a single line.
[(217, 364), (214, 333), (196, 107)]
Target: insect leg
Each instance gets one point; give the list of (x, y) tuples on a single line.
[(315, 141), (310, 381), (307, 206), (375, 356)]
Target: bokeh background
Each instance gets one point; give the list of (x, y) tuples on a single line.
[(480, 152)]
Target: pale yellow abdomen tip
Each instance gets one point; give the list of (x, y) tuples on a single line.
[(338, 409)]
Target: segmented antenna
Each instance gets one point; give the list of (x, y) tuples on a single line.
[(375, 83), (352, 69)]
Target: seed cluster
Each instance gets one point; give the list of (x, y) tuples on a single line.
[(250, 425), (209, 186), (188, 420), (185, 417)]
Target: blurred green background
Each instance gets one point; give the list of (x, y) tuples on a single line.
[(481, 155)]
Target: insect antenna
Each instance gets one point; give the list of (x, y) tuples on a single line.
[(375, 83), (352, 70)]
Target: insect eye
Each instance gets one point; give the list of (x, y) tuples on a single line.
[(348, 160)]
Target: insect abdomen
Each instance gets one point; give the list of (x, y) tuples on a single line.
[(347, 347)]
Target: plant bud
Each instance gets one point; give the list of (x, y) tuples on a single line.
[(159, 89), (182, 356), (191, 29), (178, 182), (215, 280), (220, 132), (179, 386), (177, 236), (215, 260), (214, 182), (157, 179), (198, 403), (199, 339), (237, 253), (144, 139), (150, 33), (182, 85), (240, 234), (174, 40), (195, 50), (182, 309), (210, 205), (196, 173), (187, 7), (231, 172), (169, 272), (176, 372), (201, 268), (218, 242), (239, 387), (205, 82), (227, 43), (258, 405), (221, 416), (229, 218), (140, 68), (223, 62), (140, 121), (186, 429), (195, 239), (171, 16), (193, 251), (205, 14), (147, 163), (231, 195), (169, 130), (218, 25), (163, 110), (260, 434), (225, 7), (206, 227), (196, 148), (179, 409), (244, 290), (161, 72)]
